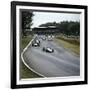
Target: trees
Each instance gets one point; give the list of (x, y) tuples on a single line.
[(48, 24), (26, 21), (65, 27)]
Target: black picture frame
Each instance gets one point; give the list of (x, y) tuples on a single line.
[(14, 4)]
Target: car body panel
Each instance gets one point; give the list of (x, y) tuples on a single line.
[(47, 49)]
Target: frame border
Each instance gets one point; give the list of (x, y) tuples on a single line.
[(13, 44)]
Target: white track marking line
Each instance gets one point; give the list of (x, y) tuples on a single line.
[(24, 60)]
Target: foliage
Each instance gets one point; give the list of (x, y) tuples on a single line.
[(48, 24), (26, 21), (65, 27), (24, 41)]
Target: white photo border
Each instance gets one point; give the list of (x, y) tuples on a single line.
[(53, 79)]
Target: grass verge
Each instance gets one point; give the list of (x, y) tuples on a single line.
[(72, 45), (24, 41), (70, 40), (24, 71), (27, 73)]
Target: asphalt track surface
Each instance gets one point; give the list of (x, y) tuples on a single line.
[(60, 63)]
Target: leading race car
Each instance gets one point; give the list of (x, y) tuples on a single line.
[(48, 49), (36, 43)]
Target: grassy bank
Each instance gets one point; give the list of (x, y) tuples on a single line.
[(70, 44), (24, 71), (24, 41), (70, 40)]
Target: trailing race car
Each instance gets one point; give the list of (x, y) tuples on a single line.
[(37, 41), (48, 49), (43, 38), (49, 38)]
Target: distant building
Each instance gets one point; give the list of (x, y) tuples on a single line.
[(46, 30)]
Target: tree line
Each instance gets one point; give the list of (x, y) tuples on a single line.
[(65, 27), (26, 19)]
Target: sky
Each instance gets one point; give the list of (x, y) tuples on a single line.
[(44, 17)]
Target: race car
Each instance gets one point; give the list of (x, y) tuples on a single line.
[(48, 49), (36, 43)]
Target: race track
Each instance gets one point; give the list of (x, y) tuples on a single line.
[(60, 63)]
